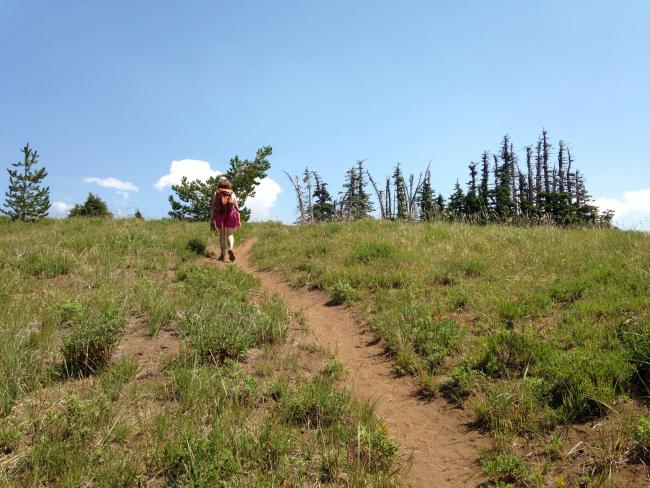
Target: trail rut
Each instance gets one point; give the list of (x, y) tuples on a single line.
[(444, 451)]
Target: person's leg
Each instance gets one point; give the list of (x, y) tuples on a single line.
[(231, 243), (222, 242)]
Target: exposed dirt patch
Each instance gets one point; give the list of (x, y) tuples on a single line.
[(444, 449), (149, 351)]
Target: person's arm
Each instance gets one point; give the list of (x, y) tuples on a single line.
[(235, 202)]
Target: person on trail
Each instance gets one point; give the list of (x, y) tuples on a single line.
[(224, 213)]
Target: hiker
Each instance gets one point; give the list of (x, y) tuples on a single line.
[(224, 213)]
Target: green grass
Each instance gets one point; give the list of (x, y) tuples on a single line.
[(533, 328), (232, 408)]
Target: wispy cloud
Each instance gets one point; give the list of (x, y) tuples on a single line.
[(119, 185), (633, 210)]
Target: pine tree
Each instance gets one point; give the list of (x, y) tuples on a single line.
[(427, 199), (92, 207), (440, 203), (138, 215), (309, 197), (389, 201), (529, 168), (538, 175), (484, 192), (348, 195), (362, 205), (323, 208), (472, 202), (26, 199), (560, 165), (546, 153), (504, 206), (401, 204), (456, 203)]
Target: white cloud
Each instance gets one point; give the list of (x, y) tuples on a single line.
[(265, 197), (633, 210), (193, 169), (119, 185), (60, 209), (260, 205)]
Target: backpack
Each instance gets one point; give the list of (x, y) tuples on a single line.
[(224, 201)]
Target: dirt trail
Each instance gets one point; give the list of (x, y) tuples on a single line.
[(444, 451)]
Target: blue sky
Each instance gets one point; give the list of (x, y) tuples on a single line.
[(121, 89)]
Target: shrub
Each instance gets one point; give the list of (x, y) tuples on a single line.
[(197, 246), (433, 340), (92, 207), (315, 403), (507, 468), (213, 339), (507, 352), (375, 448), (342, 293), (90, 345)]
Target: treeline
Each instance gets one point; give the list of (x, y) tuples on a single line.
[(544, 188)]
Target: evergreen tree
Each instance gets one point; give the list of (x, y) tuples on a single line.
[(348, 197), (138, 214), (245, 175), (388, 205), (309, 197), (530, 200), (26, 199), (92, 207), (472, 201), (362, 206), (456, 203), (401, 202), (484, 192), (440, 203), (194, 199), (194, 196), (539, 189), (546, 154), (504, 206), (427, 199), (323, 208)]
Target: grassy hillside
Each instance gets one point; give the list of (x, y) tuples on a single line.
[(125, 360), (537, 329)]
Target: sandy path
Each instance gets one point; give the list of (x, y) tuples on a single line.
[(444, 451)]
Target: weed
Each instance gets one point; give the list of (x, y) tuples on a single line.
[(197, 246), (89, 345), (342, 293), (315, 403)]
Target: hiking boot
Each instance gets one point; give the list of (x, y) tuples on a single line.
[(221, 257), (231, 255)]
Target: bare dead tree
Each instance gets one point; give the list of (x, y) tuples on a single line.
[(300, 204), (413, 191), (380, 195), (308, 194), (389, 201)]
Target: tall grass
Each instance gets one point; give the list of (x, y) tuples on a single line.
[(532, 327), (211, 416)]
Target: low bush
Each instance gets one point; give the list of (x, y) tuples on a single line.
[(315, 403), (88, 347), (197, 246), (342, 293)]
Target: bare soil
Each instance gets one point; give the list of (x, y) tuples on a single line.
[(443, 447)]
